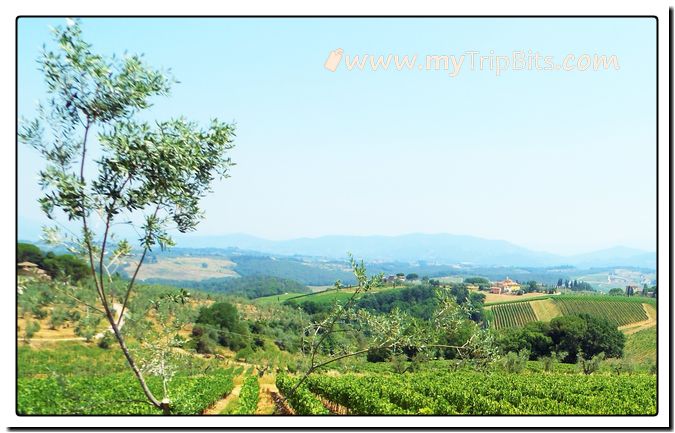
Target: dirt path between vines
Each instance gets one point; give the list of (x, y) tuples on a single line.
[(266, 404), (632, 328), (221, 404)]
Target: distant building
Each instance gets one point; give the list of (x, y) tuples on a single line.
[(506, 286), (31, 269), (394, 278)]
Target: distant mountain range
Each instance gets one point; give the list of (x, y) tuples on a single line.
[(426, 248)]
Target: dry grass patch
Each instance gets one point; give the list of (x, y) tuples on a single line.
[(545, 309)]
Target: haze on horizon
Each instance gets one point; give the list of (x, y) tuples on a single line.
[(561, 162)]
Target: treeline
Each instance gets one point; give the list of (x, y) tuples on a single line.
[(221, 324), (419, 301), (256, 286), (575, 285), (569, 337), (60, 266), (313, 275)]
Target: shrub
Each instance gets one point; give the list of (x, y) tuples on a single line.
[(30, 329), (39, 312), (515, 362), (106, 341), (86, 327), (58, 317), (590, 366)]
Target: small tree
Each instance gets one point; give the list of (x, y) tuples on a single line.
[(30, 329), (590, 366), (58, 317), (515, 362), (148, 175), (87, 325)]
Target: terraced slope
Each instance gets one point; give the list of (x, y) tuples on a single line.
[(617, 313)]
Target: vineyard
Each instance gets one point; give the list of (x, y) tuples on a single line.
[(472, 393), (511, 315), (87, 380), (248, 397), (617, 313)]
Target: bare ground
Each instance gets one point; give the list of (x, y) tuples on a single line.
[(632, 328)]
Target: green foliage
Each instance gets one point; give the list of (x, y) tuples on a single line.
[(472, 393), (29, 253), (30, 329), (58, 317), (83, 395), (515, 362), (300, 399), (291, 269), (39, 312), (61, 266), (106, 341), (585, 334), (477, 280), (151, 174), (533, 337), (223, 315), (613, 309), (419, 301), (87, 326), (512, 315), (570, 335), (590, 366), (66, 267), (77, 379), (641, 346), (616, 292), (248, 396), (256, 286)]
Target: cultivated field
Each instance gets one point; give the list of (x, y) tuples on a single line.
[(473, 393), (187, 268), (630, 315)]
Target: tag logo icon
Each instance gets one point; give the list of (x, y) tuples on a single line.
[(333, 60)]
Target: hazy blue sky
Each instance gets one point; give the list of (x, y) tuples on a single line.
[(552, 160)]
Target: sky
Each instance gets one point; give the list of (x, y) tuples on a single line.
[(558, 161)]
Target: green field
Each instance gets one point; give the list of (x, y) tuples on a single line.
[(618, 313), (75, 379), (512, 315), (274, 299), (473, 393), (641, 346), (618, 310), (328, 296)]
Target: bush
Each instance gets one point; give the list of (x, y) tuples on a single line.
[(73, 315), (106, 341), (58, 317), (39, 313), (590, 366), (232, 340), (86, 327), (515, 362), (245, 354), (204, 346), (30, 330), (378, 355), (221, 314)]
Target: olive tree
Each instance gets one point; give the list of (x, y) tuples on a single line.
[(104, 167)]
